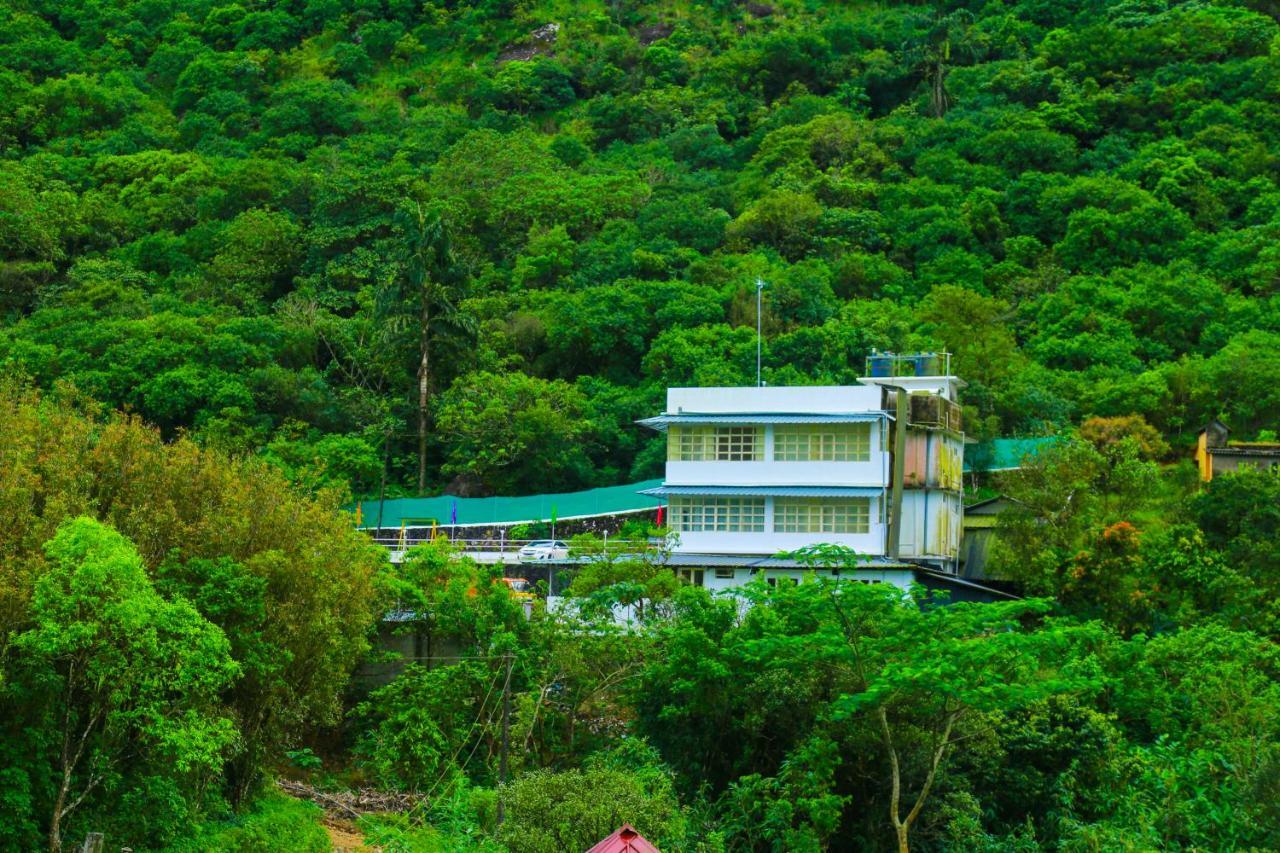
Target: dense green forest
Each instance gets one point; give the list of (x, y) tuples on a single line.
[(316, 229), (257, 257), (179, 627)]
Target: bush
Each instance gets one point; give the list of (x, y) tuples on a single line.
[(274, 822), (549, 811)]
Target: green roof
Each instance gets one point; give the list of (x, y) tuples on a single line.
[(1003, 454), (999, 454), (514, 510)]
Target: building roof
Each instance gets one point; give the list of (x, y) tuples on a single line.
[(767, 491), (661, 422), (624, 839), (1239, 448)]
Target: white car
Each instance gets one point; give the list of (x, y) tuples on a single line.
[(546, 549)]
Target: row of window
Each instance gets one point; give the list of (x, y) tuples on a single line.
[(790, 515), (697, 577), (791, 443)]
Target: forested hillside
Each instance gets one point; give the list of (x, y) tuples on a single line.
[(257, 258), (483, 237)]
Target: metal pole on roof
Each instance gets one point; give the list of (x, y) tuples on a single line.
[(759, 327)]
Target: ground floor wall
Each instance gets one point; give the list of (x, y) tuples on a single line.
[(931, 525)]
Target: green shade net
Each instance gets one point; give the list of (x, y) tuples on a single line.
[(997, 455), (418, 512)]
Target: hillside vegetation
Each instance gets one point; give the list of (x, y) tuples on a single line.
[(482, 238)]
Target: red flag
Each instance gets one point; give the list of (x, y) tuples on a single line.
[(661, 509)]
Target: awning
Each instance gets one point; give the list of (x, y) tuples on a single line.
[(661, 422), (767, 491)]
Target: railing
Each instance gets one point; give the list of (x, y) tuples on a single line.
[(503, 547), (934, 411), (887, 364)]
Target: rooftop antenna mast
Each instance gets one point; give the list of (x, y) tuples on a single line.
[(759, 335)]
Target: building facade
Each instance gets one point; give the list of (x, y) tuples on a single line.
[(1216, 453), (875, 467)]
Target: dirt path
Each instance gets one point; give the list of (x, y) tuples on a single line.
[(345, 837)]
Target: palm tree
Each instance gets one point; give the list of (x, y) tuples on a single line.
[(425, 297), (931, 56)]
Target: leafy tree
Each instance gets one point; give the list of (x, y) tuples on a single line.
[(513, 433), (572, 809), (119, 674)]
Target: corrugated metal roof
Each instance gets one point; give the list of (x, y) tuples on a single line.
[(767, 491), (661, 422), (624, 840)]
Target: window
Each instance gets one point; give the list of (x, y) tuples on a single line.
[(738, 444), (822, 515), (714, 444), (724, 574), (718, 515), (822, 443)]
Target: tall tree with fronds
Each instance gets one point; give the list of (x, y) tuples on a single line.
[(423, 302), (948, 37)]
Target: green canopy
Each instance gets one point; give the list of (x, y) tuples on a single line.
[(422, 512)]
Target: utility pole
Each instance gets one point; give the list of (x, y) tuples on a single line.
[(506, 737), (382, 487), (759, 330)]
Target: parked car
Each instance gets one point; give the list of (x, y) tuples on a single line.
[(547, 549), (519, 587)]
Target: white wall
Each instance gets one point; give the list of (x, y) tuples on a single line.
[(820, 399), (901, 578), (870, 473), (769, 543), (874, 472)]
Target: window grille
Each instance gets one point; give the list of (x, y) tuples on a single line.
[(714, 444), (822, 515), (717, 515), (822, 443)]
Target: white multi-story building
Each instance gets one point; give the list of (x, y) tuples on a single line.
[(752, 473)]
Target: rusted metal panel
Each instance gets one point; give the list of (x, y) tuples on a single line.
[(935, 412), (932, 461)]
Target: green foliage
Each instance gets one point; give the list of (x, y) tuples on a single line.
[(208, 215), (549, 811), (253, 626), (366, 241), (125, 680), (269, 821), (422, 726)]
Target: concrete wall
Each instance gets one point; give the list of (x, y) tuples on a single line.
[(820, 399), (723, 579), (766, 472), (769, 543), (1224, 464)]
